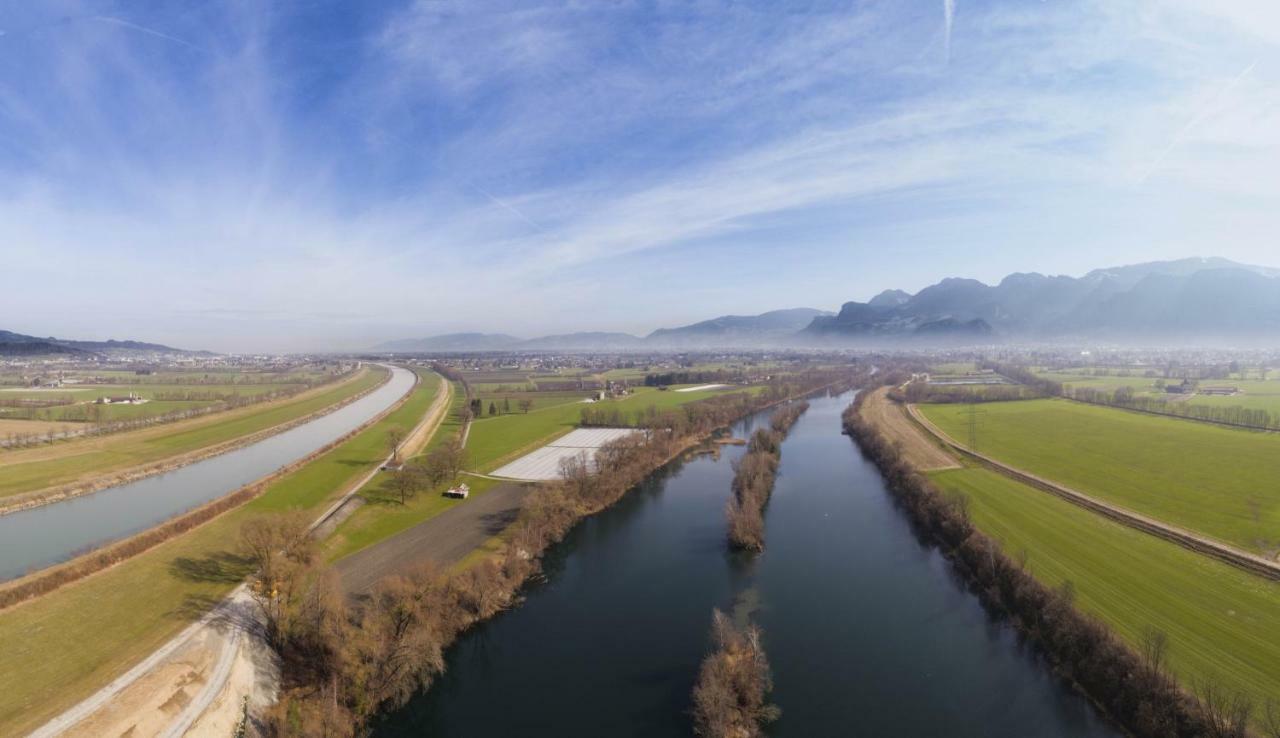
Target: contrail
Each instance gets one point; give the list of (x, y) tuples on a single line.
[(144, 29), (1203, 113), (948, 17), (507, 206)]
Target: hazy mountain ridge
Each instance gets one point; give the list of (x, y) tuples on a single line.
[(1182, 300), (1188, 299), (737, 330), (18, 344)]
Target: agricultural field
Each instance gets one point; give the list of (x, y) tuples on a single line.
[(116, 617), (496, 440), (1216, 481), (26, 470), (1255, 394), (162, 393), (1220, 621)]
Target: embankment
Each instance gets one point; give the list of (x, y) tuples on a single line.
[(1136, 690)]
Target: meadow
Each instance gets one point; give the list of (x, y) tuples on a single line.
[(1220, 621), (1216, 481), (64, 645), (1256, 394), (77, 460), (499, 439)]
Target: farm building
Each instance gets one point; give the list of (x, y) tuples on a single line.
[(133, 398), (1220, 391)]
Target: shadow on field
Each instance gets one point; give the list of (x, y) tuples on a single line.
[(223, 567)]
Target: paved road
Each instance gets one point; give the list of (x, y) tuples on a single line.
[(444, 539)]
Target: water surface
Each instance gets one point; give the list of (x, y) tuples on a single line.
[(868, 633), (41, 536)]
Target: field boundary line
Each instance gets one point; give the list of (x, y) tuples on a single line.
[(1229, 554)]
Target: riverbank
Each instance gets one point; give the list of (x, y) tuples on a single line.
[(443, 606), (1135, 689), (115, 477)]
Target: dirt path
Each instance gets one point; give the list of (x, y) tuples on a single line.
[(1242, 559), (921, 451), (445, 539)]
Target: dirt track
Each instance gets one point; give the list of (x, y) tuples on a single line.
[(921, 451), (444, 539)]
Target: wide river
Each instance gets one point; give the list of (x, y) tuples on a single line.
[(867, 631), (46, 535)]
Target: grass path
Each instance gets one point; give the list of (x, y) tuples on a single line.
[(1220, 621), (24, 471), (1219, 482), (62, 647)]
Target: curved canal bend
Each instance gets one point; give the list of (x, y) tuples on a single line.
[(35, 538), (867, 631)]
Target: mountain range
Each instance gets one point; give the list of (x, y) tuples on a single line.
[(1194, 300), (18, 344)]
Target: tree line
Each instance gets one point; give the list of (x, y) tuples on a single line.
[(1136, 687), (1126, 398), (344, 661), (754, 475), (731, 696)]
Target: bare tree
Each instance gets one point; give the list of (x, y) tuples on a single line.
[(395, 437), (526, 404)]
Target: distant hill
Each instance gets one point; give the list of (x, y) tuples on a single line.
[(17, 344), (1192, 300), (596, 340), (737, 330), (451, 342)]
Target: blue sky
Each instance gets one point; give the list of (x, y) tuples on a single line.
[(306, 175)]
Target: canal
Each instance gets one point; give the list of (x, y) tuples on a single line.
[(35, 538)]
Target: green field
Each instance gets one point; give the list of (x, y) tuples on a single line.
[(32, 469), (496, 440), (1220, 482), (175, 392), (61, 647), (1220, 622), (1256, 394)]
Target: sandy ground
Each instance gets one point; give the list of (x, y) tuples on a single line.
[(921, 451), (444, 539)]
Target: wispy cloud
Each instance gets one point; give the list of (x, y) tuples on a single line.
[(357, 172)]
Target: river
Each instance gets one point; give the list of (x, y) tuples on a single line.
[(35, 538), (867, 631)]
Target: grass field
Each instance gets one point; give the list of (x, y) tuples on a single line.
[(1255, 393), (495, 440), (193, 396), (383, 516), (1220, 482), (61, 647), (80, 459), (1220, 621)]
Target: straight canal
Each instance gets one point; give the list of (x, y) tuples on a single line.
[(36, 538)]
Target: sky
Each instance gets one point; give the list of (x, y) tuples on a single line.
[(298, 176)]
